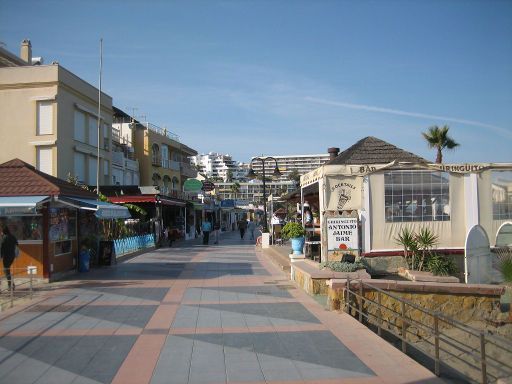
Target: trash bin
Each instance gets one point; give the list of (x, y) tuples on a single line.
[(84, 259)]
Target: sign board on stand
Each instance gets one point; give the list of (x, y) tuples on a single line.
[(342, 234), (208, 186)]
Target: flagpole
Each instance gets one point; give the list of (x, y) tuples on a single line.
[(99, 121)]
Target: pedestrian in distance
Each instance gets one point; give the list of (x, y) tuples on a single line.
[(242, 226), (216, 230), (8, 254), (251, 227), (206, 228)]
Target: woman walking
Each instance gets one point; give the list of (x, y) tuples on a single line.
[(7, 253)]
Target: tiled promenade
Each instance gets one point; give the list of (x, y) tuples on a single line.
[(192, 314)]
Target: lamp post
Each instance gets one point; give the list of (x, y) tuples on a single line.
[(252, 175)]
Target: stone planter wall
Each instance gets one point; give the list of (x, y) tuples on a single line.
[(461, 302), (314, 280)]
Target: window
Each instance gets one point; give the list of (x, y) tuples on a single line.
[(93, 131), (501, 195), (175, 183), (156, 179), (44, 118), (165, 156), (416, 196), (106, 141), (45, 159), (106, 172), (79, 127), (166, 184), (155, 154), (93, 166), (29, 227), (79, 160)]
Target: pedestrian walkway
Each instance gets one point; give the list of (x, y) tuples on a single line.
[(193, 314)]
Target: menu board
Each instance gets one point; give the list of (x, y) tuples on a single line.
[(62, 224)]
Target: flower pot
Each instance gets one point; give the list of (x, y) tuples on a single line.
[(297, 245)]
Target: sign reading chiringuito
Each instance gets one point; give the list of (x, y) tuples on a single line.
[(342, 234)]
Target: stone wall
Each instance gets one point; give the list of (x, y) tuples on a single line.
[(314, 280), (461, 302)]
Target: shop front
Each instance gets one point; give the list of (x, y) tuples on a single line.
[(364, 205), (43, 213)]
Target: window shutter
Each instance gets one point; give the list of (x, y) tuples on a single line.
[(92, 170), (45, 160), (93, 131), (80, 126), (44, 118), (80, 166)]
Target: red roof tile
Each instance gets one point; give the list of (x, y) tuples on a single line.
[(18, 178)]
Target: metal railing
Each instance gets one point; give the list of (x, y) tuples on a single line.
[(478, 355), (26, 285)]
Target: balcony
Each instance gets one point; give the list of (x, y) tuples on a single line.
[(156, 160), (188, 170), (175, 165), (118, 158), (163, 131)]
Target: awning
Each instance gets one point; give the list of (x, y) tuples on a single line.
[(146, 199), (103, 210), (20, 205)]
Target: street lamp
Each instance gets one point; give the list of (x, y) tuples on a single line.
[(252, 175)]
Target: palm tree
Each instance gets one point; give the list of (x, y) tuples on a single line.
[(235, 188), (438, 138)]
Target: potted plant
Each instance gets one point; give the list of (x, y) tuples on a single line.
[(295, 232)]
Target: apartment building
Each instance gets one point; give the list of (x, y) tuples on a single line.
[(287, 164), (217, 165), (49, 119), (163, 160)]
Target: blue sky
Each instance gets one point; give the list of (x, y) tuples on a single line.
[(291, 77)]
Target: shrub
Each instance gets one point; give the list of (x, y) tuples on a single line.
[(340, 266), (292, 230), (505, 262), (440, 265)]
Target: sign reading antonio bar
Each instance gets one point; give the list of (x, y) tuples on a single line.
[(342, 234)]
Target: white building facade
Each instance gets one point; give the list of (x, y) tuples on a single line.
[(287, 164), (218, 165)]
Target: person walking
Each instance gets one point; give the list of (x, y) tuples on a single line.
[(251, 227), (7, 253), (206, 228), (216, 230), (242, 226)]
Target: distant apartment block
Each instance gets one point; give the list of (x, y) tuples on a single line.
[(252, 191), (287, 164), (218, 165)]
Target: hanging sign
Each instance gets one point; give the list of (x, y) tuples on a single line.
[(344, 193), (208, 186), (342, 234), (192, 185)]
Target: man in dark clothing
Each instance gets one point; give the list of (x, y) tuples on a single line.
[(7, 253), (242, 226)]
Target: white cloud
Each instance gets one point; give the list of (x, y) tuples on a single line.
[(363, 107)]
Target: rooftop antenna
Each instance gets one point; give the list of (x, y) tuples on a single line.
[(99, 121)]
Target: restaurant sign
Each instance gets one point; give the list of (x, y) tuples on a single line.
[(342, 234)]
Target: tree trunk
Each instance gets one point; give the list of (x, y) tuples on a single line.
[(439, 158)]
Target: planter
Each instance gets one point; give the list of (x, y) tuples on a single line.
[(297, 245)]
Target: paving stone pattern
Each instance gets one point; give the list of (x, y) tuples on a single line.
[(192, 314)]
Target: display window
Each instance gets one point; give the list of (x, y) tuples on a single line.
[(501, 195), (417, 196), (24, 227), (62, 224)]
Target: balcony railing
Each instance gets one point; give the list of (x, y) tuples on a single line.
[(163, 131), (118, 158), (174, 165), (156, 160)]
